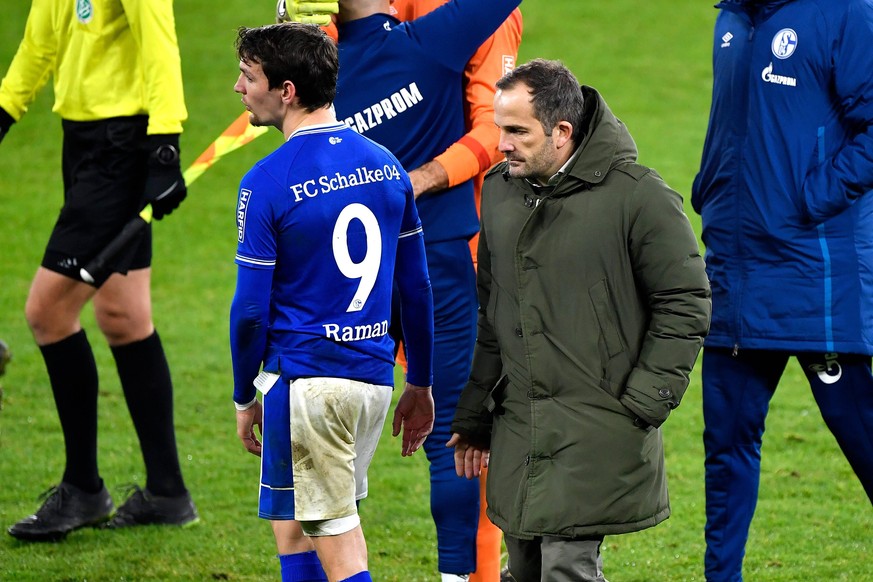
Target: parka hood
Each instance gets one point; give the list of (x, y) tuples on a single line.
[(606, 144)]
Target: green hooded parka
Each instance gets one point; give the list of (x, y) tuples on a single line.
[(594, 303)]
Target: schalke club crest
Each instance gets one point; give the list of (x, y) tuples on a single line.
[(784, 43)]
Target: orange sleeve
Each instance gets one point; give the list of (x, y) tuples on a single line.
[(477, 150), (330, 30)]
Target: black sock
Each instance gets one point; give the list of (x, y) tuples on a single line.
[(148, 390), (73, 376)]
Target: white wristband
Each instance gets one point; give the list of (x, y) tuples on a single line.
[(243, 407)]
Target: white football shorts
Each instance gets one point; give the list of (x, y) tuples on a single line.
[(320, 435)]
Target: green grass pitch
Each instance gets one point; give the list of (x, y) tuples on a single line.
[(651, 61)]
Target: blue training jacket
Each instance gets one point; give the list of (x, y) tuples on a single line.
[(401, 85), (787, 168)]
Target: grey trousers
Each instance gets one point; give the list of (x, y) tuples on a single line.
[(553, 559)]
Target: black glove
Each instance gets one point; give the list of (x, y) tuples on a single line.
[(164, 187), (6, 122)]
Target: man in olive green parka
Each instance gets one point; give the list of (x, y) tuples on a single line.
[(594, 303)]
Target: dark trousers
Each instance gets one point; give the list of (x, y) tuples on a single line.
[(454, 501), (736, 397), (554, 559)]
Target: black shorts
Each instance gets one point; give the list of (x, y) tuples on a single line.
[(104, 167)]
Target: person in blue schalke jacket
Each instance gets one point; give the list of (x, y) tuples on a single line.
[(401, 85), (783, 191)]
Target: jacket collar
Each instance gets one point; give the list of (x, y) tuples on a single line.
[(365, 28)]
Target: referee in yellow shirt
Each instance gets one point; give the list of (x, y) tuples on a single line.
[(118, 90)]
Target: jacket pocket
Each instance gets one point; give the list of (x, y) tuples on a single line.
[(492, 304), (605, 312)]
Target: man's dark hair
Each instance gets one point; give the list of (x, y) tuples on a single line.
[(296, 52), (555, 94)]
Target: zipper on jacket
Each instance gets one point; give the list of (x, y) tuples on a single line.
[(737, 294)]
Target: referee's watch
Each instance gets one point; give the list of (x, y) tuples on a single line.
[(166, 154)]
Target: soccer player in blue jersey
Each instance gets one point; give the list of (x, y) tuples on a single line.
[(401, 84), (327, 226)]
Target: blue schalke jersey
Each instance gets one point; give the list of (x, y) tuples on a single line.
[(401, 85), (324, 212)]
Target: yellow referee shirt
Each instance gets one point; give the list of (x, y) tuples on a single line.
[(109, 58)]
